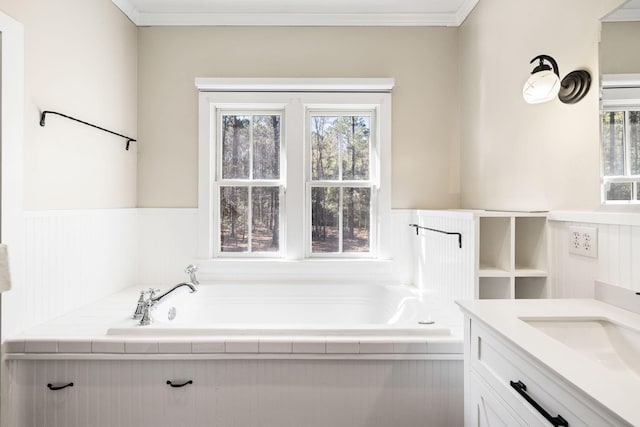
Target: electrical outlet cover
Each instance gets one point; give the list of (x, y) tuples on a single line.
[(583, 241)]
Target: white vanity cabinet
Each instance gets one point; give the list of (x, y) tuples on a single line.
[(494, 371)]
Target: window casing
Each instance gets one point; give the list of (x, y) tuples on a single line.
[(369, 113)]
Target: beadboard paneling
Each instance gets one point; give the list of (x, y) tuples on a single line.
[(278, 393), (71, 258), (443, 269), (617, 261)]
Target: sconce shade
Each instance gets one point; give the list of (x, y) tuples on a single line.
[(544, 82), (542, 86)]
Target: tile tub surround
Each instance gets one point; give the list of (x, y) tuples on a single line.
[(614, 390), (82, 334)]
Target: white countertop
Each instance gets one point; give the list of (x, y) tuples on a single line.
[(617, 391), (82, 334)]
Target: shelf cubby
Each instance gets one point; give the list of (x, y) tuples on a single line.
[(531, 287), (494, 288), (495, 245), (530, 244)]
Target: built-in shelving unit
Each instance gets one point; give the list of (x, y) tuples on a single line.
[(511, 255)]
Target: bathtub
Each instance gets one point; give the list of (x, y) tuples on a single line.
[(292, 309)]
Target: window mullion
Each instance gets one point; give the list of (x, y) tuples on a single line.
[(340, 220), (249, 218)]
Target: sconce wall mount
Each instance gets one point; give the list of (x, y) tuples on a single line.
[(544, 83)]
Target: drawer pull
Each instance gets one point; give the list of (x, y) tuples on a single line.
[(522, 390), (178, 385), (60, 387)]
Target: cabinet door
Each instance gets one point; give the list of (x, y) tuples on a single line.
[(487, 410)]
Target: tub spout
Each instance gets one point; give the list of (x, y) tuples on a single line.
[(157, 299)]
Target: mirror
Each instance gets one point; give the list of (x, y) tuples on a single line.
[(619, 52), (620, 104)]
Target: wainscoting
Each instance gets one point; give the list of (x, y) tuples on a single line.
[(71, 258), (617, 261), (267, 393)]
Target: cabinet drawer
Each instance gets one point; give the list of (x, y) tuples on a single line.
[(500, 365), (487, 409)]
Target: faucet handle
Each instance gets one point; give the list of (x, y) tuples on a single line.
[(191, 270), (137, 314)]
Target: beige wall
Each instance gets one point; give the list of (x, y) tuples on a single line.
[(80, 60), (520, 156), (423, 62), (619, 53)]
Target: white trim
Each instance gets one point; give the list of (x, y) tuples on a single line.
[(202, 18), (464, 11), (294, 263), (12, 145), (614, 218), (231, 84), (620, 80)]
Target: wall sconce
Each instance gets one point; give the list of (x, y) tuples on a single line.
[(544, 83)]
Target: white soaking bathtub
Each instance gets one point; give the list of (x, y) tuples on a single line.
[(310, 355), (291, 309)]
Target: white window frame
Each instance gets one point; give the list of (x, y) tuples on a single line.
[(620, 92), (296, 97)]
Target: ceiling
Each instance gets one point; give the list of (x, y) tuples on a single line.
[(297, 12), (630, 11)]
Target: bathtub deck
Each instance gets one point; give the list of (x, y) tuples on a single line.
[(83, 334)]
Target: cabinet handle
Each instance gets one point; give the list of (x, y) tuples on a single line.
[(60, 387), (179, 385), (522, 390)]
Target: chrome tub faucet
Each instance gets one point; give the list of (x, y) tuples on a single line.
[(148, 299)]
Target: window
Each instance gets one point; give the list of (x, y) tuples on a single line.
[(620, 150), (294, 169), (340, 184), (248, 182)]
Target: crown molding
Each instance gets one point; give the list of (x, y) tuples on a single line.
[(139, 18)]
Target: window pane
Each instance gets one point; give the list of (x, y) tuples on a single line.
[(355, 219), (634, 142), (235, 146), (619, 191), (265, 217), (233, 219), (613, 143), (324, 148), (354, 134), (325, 231), (266, 147)]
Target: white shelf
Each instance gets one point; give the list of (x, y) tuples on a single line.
[(529, 272), (486, 271), (511, 255)]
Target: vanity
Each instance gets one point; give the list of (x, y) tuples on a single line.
[(570, 362)]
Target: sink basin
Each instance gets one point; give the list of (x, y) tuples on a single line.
[(614, 346)]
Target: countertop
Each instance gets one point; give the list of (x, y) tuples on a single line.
[(616, 390)]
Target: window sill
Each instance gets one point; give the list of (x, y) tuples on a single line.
[(308, 270)]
